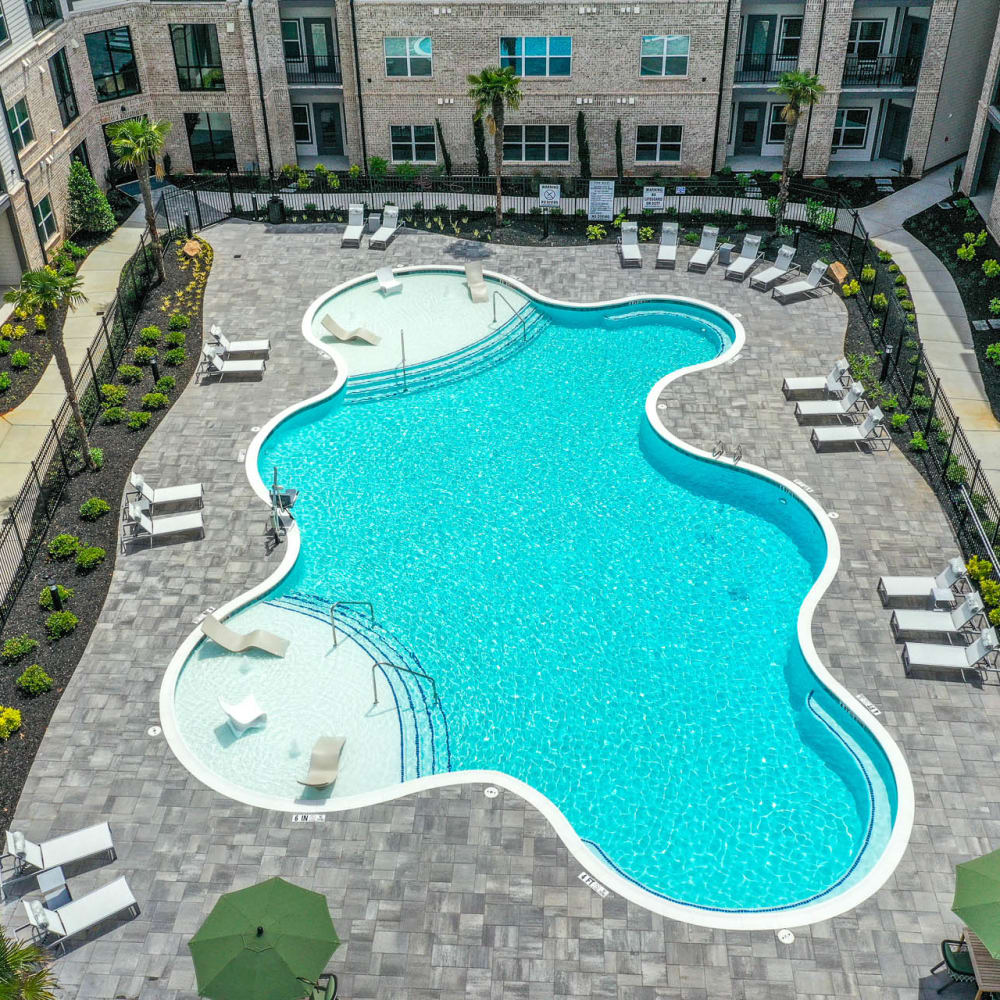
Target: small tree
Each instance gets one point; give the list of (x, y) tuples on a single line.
[(24, 972), (619, 166), (495, 90), (800, 90), (88, 206), (445, 155), (582, 145), (482, 159)]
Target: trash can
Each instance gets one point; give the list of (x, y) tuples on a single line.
[(275, 210)]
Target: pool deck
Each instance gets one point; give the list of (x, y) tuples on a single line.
[(448, 894)]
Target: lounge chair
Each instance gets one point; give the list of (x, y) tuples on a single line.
[(387, 231), (747, 259), (355, 226), (324, 765), (386, 282), (330, 324), (237, 642), (779, 269), (832, 384), (806, 286), (706, 252), (214, 365), (326, 992), (478, 291), (896, 588), (666, 254), (139, 524), (628, 245), (957, 959), (961, 621), (870, 432), (228, 346), (244, 715), (189, 493), (81, 914), (27, 857), (845, 406), (935, 656)]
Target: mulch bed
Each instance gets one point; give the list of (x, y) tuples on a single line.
[(120, 447)]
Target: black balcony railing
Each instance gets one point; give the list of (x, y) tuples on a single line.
[(762, 67), (313, 70), (881, 71), (42, 13)]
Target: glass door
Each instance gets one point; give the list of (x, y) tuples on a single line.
[(329, 134)]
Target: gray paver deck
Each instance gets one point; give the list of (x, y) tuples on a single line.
[(448, 894)]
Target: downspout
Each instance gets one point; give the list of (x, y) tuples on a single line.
[(260, 88), (722, 73), (357, 81), (809, 117), (24, 180)]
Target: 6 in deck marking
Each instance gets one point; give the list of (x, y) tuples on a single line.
[(308, 817)]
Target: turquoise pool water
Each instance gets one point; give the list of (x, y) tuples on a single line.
[(607, 618)]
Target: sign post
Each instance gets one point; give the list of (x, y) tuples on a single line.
[(601, 201), (549, 196)]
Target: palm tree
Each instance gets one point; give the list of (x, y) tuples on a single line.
[(134, 143), (494, 90), (801, 90), (24, 974), (44, 291)]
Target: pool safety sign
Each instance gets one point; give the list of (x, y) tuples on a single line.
[(549, 195), (601, 203), (601, 890), (653, 198)]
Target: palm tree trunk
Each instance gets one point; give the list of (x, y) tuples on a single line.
[(147, 201), (497, 111), (62, 363), (786, 164)]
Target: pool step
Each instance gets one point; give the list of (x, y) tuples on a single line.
[(504, 342)]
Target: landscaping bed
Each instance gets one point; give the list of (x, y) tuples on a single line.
[(119, 447)]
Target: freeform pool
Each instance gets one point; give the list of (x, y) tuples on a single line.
[(607, 618)]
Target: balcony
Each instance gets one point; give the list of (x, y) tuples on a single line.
[(313, 71), (881, 71), (762, 67)]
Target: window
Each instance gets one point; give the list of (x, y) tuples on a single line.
[(775, 124), (62, 83), (664, 55), (4, 33), (536, 143), (210, 136), (413, 142), (45, 219), (300, 123), (658, 143), (197, 57), (112, 63), (291, 40), (410, 56), (20, 124), (80, 153), (42, 13), (537, 56), (850, 128), (790, 37), (864, 40)]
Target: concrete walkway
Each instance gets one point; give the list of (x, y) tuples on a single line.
[(23, 429), (944, 326)]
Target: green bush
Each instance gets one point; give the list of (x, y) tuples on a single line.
[(956, 473), (867, 275), (17, 647), (155, 401), (879, 302), (179, 321), (898, 421), (61, 623), (990, 592), (906, 304), (75, 251), (136, 420), (175, 338), (4, 347), (900, 279), (34, 681), (596, 232), (113, 395), (993, 352), (921, 403), (150, 335), (89, 557), (92, 509), (20, 359), (63, 546), (995, 307), (88, 205), (145, 355), (901, 293), (165, 383), (97, 457), (113, 415), (10, 722), (979, 569), (176, 356), (918, 442), (991, 268), (5, 382), (130, 374), (45, 597)]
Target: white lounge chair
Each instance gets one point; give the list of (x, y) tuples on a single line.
[(940, 657), (628, 245), (139, 524), (188, 493), (961, 621), (228, 346), (747, 259), (952, 578), (216, 366), (870, 432), (240, 642), (386, 282), (706, 252), (781, 267), (666, 254), (832, 384), (387, 231), (244, 715), (806, 286), (332, 326), (478, 290), (81, 914), (23, 856), (847, 405), (324, 764), (355, 226)]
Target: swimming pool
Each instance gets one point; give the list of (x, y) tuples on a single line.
[(607, 617)]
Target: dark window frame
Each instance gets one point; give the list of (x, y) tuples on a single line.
[(84, 156), (307, 108), (44, 219), (397, 139), (661, 144), (216, 160), (197, 73), (19, 126), (69, 109), (42, 14), (546, 141), (118, 72)]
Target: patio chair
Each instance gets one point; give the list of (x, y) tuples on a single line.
[(216, 366), (846, 406), (386, 282), (387, 231), (188, 493), (355, 226), (27, 857), (747, 259), (137, 523), (706, 252), (324, 764), (961, 621), (806, 286), (666, 254), (228, 346), (957, 959), (332, 326), (244, 715), (934, 656), (781, 267), (833, 383), (81, 914), (628, 245), (239, 642), (952, 578), (478, 290), (870, 432)]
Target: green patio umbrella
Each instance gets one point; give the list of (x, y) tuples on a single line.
[(261, 942), (977, 898)]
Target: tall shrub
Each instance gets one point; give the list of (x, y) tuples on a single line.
[(619, 167), (445, 155), (88, 206), (482, 157), (583, 147)]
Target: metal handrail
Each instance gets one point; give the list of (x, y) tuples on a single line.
[(719, 449), (409, 670), (516, 312), (738, 455), (338, 604)]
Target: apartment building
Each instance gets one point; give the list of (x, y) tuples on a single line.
[(981, 178), (267, 82)]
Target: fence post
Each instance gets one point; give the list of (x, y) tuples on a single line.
[(951, 444), (17, 534), (93, 373), (62, 454), (232, 196), (975, 476), (197, 210), (166, 213), (854, 227), (930, 413), (916, 370)]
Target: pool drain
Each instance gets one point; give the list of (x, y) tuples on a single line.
[(491, 791), (785, 936), (153, 731)]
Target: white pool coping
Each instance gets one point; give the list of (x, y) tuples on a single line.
[(822, 909)]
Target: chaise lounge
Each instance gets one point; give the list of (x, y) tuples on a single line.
[(961, 621), (79, 915), (237, 642), (628, 245), (355, 226), (846, 406), (361, 333), (262, 346), (770, 276), (213, 364), (475, 281), (747, 260), (869, 432), (388, 230), (896, 588), (324, 765), (705, 254), (387, 283), (806, 286), (188, 493), (28, 857), (832, 384), (139, 524), (934, 656), (666, 254)]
